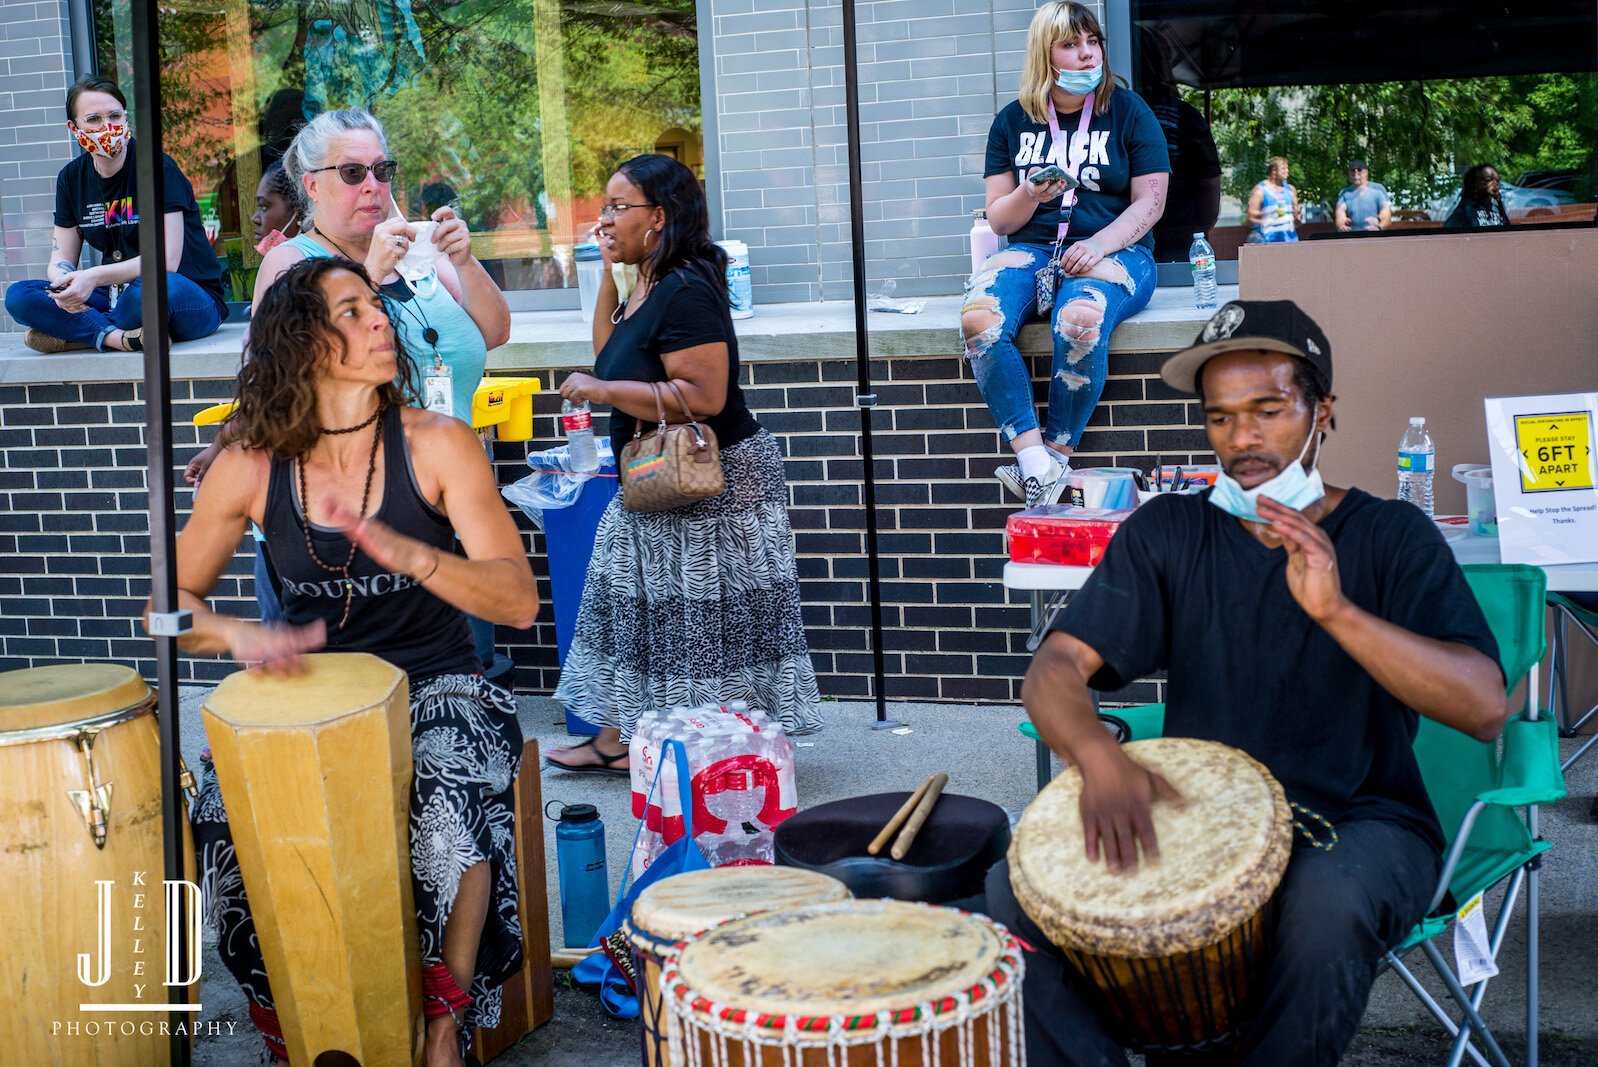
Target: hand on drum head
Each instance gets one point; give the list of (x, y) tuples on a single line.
[(276, 649), (1117, 798)]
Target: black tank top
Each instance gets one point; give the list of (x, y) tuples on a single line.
[(391, 616)]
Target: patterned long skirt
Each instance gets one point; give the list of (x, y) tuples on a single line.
[(696, 605), (466, 746)]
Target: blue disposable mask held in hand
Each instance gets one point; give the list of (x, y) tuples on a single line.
[(1294, 487), (1079, 82)]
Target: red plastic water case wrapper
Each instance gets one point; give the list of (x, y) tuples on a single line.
[(1063, 534)]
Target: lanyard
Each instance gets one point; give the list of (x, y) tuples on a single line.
[(1063, 150)]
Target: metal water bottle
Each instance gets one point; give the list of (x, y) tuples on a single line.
[(984, 242), (584, 879)]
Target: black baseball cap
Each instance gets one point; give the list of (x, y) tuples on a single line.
[(1358, 164), (1262, 325)]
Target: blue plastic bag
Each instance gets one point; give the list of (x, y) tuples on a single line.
[(616, 994)]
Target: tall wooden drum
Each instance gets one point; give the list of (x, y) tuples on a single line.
[(850, 984), (315, 770), (674, 909), (1176, 949), (80, 786)]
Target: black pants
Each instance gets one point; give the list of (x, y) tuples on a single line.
[(1337, 913)]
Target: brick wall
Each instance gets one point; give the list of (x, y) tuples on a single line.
[(74, 548), (35, 58), (932, 75)]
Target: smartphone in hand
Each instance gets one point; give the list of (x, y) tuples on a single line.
[(1052, 173)]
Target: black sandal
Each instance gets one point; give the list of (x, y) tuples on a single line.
[(604, 767)]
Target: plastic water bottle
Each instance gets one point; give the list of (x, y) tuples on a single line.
[(1202, 259), (578, 421), (1417, 460), (584, 879), (984, 242)]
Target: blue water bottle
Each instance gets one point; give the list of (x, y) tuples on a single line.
[(584, 880)]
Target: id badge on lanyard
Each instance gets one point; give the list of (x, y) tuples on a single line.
[(438, 388), (1048, 277)]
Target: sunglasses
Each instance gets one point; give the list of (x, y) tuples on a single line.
[(355, 173)]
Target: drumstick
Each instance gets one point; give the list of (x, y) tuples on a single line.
[(898, 818), (923, 810)]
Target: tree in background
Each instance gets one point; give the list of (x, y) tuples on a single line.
[(1417, 136)]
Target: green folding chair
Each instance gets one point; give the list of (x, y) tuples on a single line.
[(1475, 788), (1139, 722)]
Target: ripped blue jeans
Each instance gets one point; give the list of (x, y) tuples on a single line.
[(1086, 311)]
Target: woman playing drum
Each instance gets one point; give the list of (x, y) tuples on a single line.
[(361, 497)]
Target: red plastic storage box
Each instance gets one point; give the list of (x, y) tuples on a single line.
[(1064, 534)]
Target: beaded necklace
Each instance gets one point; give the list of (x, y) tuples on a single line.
[(366, 495)]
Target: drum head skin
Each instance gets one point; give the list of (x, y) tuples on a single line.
[(851, 958), (332, 685), (683, 905), (1221, 856), (44, 697)]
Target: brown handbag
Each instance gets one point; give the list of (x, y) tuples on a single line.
[(670, 466)]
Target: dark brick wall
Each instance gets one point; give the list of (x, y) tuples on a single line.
[(74, 569)]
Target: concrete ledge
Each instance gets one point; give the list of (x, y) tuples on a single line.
[(552, 340)]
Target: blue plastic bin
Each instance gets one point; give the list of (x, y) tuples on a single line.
[(569, 537)]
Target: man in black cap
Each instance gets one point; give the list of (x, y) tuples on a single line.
[(1302, 623)]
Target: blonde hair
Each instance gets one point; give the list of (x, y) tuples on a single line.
[(1059, 22), (1275, 163)]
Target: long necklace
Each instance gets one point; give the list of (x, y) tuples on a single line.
[(429, 334), (366, 496)]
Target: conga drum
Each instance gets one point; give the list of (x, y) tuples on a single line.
[(315, 771), (1176, 949), (676, 908), (80, 786), (849, 984)]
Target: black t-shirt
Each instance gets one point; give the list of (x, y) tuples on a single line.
[(103, 212), (1194, 162), (1123, 143), (1185, 588), (683, 310)]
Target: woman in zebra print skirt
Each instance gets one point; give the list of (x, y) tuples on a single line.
[(701, 603)]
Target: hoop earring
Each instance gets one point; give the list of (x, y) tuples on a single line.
[(647, 234)]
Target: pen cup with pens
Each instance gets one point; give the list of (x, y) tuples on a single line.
[(1171, 479)]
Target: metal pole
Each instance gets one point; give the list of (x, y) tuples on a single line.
[(158, 445), (865, 399)]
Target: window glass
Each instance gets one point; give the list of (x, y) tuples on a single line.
[(1465, 114), (515, 112)]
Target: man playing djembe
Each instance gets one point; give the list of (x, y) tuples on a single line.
[(1304, 624)]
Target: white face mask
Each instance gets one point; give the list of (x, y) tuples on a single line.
[(1294, 487)]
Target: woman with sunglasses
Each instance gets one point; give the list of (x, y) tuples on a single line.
[(78, 307), (699, 604)]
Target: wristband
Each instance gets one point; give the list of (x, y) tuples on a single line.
[(436, 556)]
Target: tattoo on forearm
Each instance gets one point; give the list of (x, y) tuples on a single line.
[(64, 265)]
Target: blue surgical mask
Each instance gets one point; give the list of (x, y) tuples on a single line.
[(1079, 82), (1294, 487)]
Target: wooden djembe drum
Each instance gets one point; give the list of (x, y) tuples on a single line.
[(1175, 949), (315, 770)]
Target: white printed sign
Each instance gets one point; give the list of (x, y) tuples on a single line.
[(1473, 954), (1543, 477)]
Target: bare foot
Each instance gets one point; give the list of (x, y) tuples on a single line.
[(443, 1045), (604, 752)]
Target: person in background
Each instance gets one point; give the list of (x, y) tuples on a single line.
[(1194, 201), (339, 165), (698, 604), (1103, 271), (1273, 207), (1481, 201), (335, 464), (1363, 204), (96, 204), (277, 209)]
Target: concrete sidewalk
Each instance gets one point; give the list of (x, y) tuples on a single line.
[(986, 757)]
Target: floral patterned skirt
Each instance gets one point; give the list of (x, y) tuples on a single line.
[(466, 747)]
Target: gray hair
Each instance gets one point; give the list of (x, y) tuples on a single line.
[(310, 147)]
